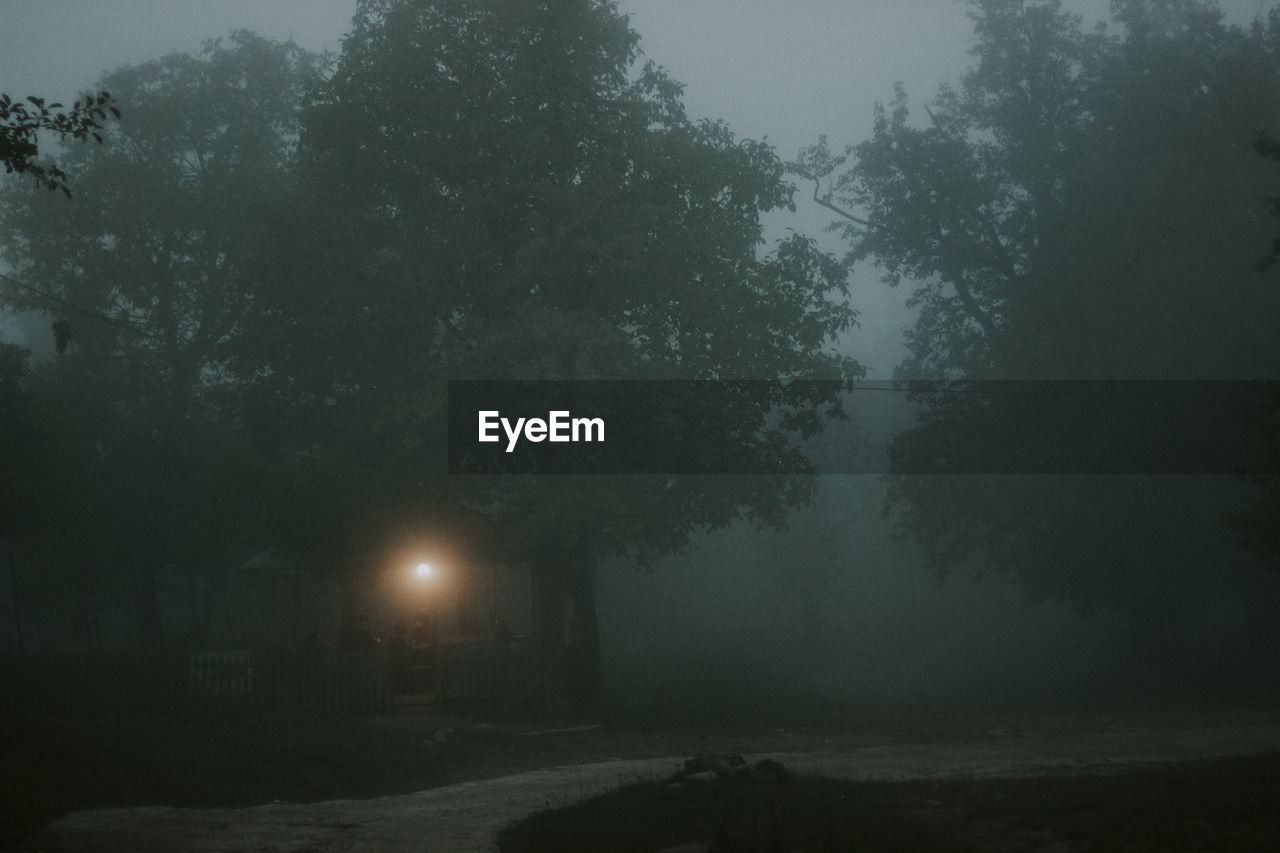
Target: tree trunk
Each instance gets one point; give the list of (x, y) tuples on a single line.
[(147, 563), (1261, 599), (14, 597), (567, 628), (150, 626), (1160, 633), (202, 592), (164, 492), (585, 669), (549, 631), (349, 620)]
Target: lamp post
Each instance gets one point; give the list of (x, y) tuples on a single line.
[(427, 646), (426, 576)]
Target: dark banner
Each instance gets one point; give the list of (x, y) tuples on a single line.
[(631, 427), (761, 427)]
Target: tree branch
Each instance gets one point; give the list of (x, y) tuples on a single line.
[(824, 201), (973, 309)]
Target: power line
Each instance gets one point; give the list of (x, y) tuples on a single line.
[(186, 328), (896, 386), (74, 309)]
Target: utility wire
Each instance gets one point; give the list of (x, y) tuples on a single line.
[(895, 386), (184, 327)]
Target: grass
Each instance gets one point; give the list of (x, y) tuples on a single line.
[(1220, 805), (733, 815), (54, 765)]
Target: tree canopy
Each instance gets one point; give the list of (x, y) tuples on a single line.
[(22, 121), (268, 274), (499, 191), (146, 272), (1083, 205)]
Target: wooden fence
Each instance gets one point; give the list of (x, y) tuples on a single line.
[(489, 678), (310, 680), (222, 674), (470, 677), (339, 682)]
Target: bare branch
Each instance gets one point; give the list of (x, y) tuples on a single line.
[(825, 202)]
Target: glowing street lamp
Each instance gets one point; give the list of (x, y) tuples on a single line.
[(424, 641), (427, 579)]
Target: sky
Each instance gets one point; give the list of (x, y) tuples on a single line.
[(785, 70), (769, 67)]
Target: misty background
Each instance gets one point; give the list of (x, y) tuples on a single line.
[(834, 606)]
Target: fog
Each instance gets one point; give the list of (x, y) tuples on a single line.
[(834, 608), (834, 605)]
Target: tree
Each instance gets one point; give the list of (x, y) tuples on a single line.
[(496, 190), (15, 437), (13, 397), (20, 127), (1081, 207), (1257, 523), (148, 270)]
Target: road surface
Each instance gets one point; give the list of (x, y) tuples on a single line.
[(465, 818)]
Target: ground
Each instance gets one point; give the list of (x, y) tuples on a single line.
[(224, 760)]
